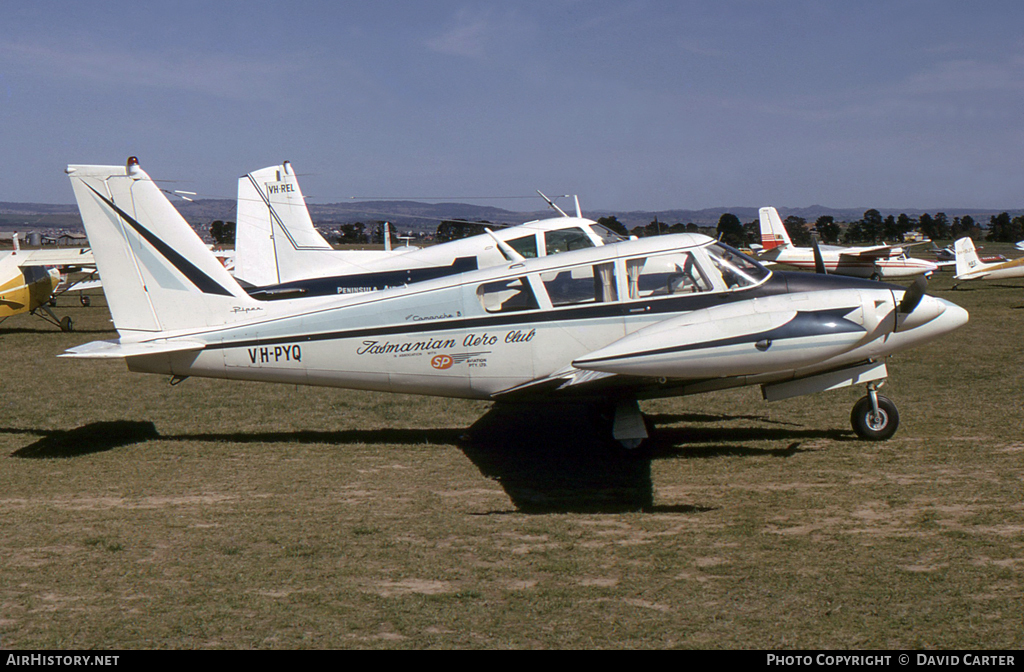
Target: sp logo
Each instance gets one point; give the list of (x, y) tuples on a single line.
[(441, 361)]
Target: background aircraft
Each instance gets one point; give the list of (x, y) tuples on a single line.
[(876, 262), (609, 325), (280, 254), (27, 287), (969, 267)]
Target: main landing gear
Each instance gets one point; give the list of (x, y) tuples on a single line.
[(630, 429), (63, 323), (875, 417)]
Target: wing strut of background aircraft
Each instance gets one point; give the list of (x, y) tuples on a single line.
[(607, 325), (877, 262), (969, 267)]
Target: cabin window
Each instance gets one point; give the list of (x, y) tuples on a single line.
[(737, 269), (565, 240), (506, 296), (665, 275), (583, 284), (526, 246)]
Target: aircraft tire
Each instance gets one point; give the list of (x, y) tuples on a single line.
[(870, 428), (66, 324), (85, 300), (604, 415), (876, 277)]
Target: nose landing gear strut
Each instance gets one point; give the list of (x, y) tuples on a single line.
[(875, 417)]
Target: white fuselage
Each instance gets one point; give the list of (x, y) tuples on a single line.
[(999, 271), (442, 337), (840, 261)]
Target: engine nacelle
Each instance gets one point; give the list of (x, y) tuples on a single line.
[(768, 334)]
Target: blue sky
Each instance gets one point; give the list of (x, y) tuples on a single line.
[(632, 105)]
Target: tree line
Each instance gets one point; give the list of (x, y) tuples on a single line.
[(872, 228)]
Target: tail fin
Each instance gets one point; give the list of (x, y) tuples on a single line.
[(773, 233), (272, 224), (966, 258), (157, 273)]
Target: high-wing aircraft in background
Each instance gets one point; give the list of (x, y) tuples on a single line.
[(657, 317), (876, 262), (969, 267), (279, 254), (29, 278)]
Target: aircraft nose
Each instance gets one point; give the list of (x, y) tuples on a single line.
[(942, 316), (953, 316)]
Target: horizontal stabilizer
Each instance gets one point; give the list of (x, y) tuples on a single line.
[(119, 350)]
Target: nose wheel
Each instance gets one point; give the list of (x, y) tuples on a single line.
[(875, 417)]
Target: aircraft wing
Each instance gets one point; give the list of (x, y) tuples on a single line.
[(119, 350), (83, 285), (81, 256), (877, 252)]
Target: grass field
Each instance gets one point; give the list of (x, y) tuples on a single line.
[(219, 514)]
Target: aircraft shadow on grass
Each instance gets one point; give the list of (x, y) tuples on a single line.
[(548, 460), (97, 437)]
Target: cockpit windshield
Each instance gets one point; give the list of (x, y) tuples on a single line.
[(737, 269), (606, 235)]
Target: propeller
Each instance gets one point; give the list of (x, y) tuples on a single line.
[(913, 295), (819, 263)]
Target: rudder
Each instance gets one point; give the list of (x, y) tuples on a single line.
[(773, 232), (157, 273)]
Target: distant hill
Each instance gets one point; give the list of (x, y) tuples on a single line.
[(417, 216)]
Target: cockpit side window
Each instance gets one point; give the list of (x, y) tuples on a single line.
[(565, 240), (505, 296), (526, 246), (665, 275), (582, 284)]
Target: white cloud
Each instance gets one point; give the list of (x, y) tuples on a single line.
[(228, 76), (466, 38)]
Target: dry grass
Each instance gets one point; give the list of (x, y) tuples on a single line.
[(232, 515)]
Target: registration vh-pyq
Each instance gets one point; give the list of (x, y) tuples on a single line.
[(664, 316)]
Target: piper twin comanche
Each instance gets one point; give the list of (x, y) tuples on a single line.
[(658, 317), (279, 254), (877, 262), (969, 267)]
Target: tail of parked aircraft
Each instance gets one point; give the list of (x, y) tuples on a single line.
[(773, 233), (966, 258), (273, 223), (157, 274)]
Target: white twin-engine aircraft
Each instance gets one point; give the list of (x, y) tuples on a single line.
[(657, 317), (279, 254), (877, 262)]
